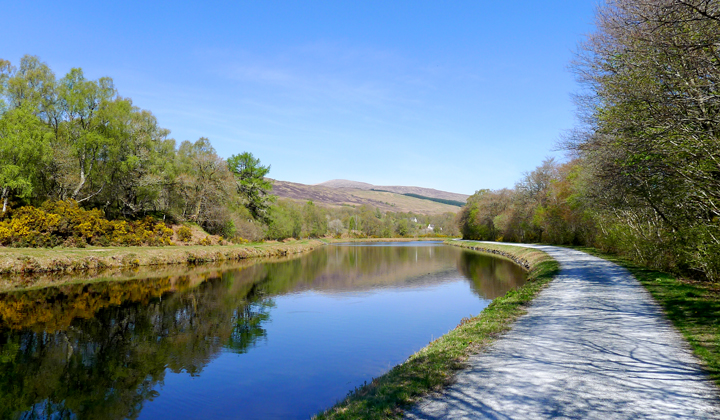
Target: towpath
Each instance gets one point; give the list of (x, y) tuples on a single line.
[(593, 345)]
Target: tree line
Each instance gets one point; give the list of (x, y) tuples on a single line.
[(292, 219), (644, 178), (76, 140)]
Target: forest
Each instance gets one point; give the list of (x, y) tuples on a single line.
[(644, 176), (80, 164)]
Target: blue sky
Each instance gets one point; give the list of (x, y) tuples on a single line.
[(456, 95)]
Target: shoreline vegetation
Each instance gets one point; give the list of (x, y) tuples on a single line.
[(432, 368), (34, 261), (26, 268), (642, 176)]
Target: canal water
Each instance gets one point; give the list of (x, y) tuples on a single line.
[(271, 340)]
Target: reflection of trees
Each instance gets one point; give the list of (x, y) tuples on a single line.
[(490, 277), (335, 268), (247, 322), (106, 366), (55, 307), (347, 268)]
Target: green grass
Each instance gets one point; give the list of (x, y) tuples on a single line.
[(432, 368), (692, 306)]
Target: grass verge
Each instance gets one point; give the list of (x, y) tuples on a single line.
[(432, 368), (692, 306)]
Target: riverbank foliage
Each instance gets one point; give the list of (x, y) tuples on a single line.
[(644, 181), (73, 139), (41, 267), (432, 367), (76, 140), (66, 223)]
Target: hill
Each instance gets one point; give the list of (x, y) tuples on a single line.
[(425, 192), (344, 183), (339, 193)]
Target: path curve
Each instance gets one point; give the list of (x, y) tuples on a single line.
[(593, 345)]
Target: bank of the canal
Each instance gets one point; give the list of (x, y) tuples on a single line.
[(432, 368), (69, 260)]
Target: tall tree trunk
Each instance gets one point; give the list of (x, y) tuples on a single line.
[(80, 184), (5, 198)]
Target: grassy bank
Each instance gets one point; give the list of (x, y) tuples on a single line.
[(692, 306), (432, 368), (69, 260)]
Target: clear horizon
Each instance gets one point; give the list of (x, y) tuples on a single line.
[(455, 97)]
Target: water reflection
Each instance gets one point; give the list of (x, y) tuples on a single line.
[(490, 277), (104, 350)]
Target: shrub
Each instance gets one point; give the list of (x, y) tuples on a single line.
[(184, 234), (66, 223)]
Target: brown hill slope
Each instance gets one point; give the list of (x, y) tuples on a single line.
[(345, 183), (355, 197), (427, 192)]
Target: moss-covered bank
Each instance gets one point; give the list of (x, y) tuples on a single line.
[(432, 368)]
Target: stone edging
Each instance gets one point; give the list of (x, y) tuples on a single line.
[(517, 260)]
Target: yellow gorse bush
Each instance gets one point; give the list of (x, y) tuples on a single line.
[(66, 223), (184, 234)]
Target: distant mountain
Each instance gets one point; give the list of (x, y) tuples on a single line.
[(344, 183), (426, 192), (339, 192)]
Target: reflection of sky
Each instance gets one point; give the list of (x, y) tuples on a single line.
[(318, 347)]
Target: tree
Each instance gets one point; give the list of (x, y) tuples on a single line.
[(32, 86), (141, 164), (108, 153), (251, 184), (336, 226), (315, 220), (203, 183), (81, 115), (87, 109), (368, 221), (652, 115), (285, 220), (403, 227), (477, 219), (23, 145)]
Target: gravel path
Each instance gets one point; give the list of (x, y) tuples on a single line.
[(593, 345)]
